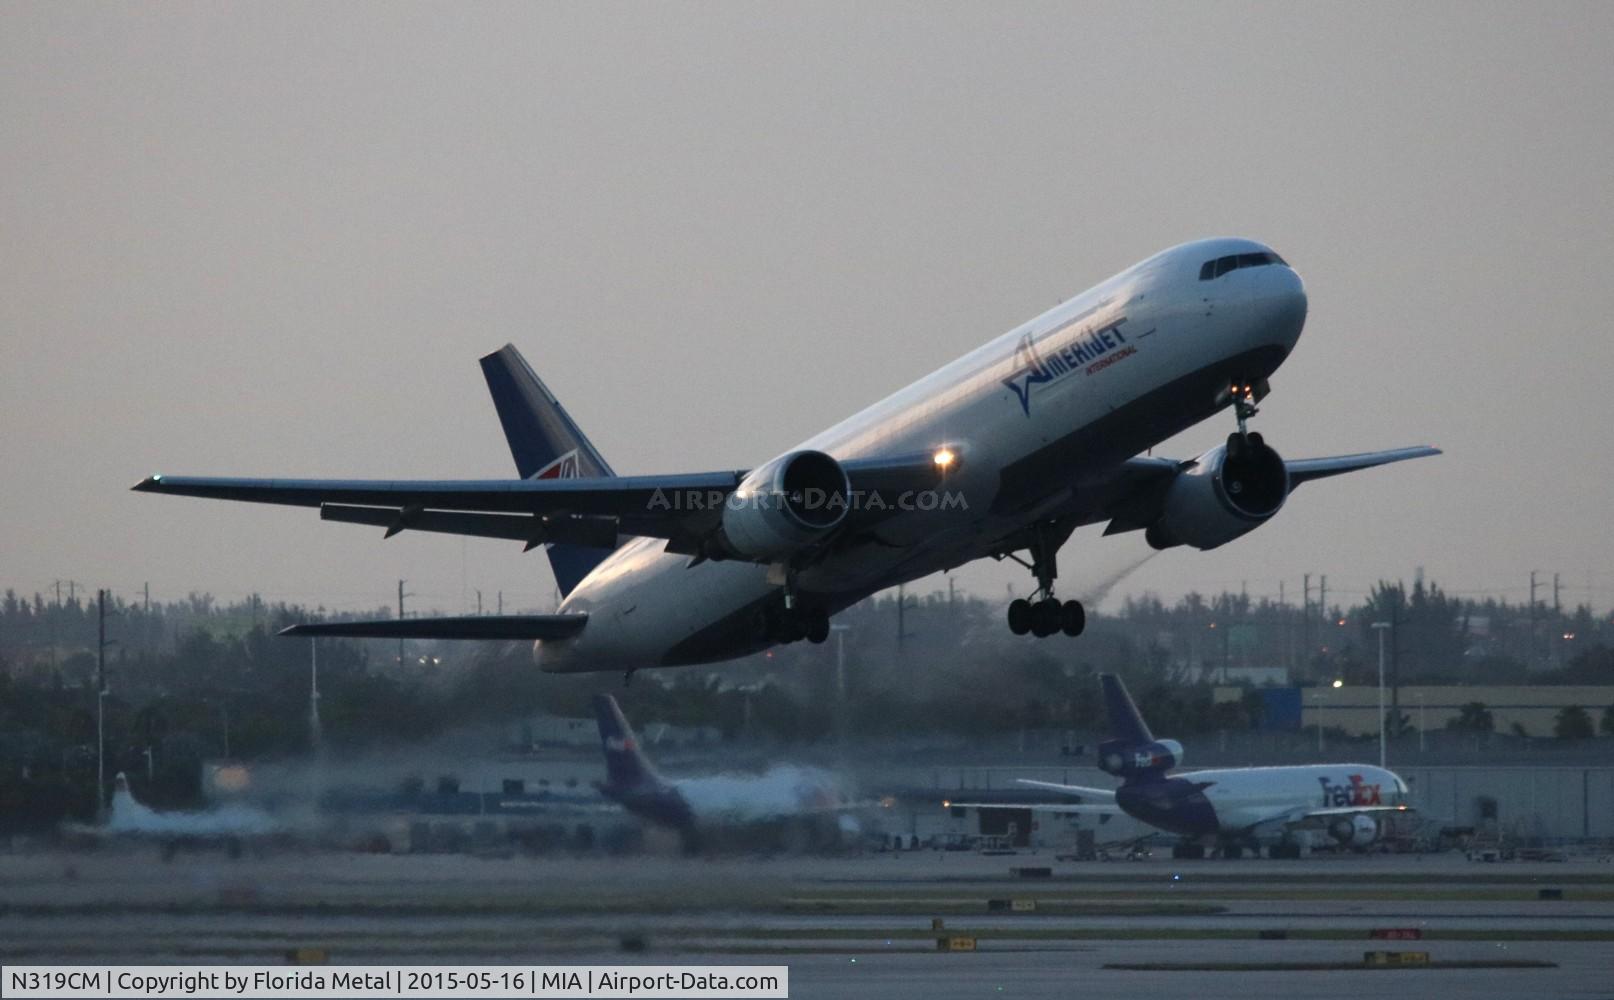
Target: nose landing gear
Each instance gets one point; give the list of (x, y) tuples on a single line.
[(1045, 615), (1243, 396)]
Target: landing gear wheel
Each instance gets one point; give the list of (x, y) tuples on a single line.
[(794, 628), (1045, 615), (1072, 618), (1236, 445), (817, 620), (1020, 616)]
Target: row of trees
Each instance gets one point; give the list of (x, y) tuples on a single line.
[(194, 680), (1572, 722)]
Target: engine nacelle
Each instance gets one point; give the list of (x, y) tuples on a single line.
[(1128, 759), (1359, 830), (783, 505), (1221, 497)]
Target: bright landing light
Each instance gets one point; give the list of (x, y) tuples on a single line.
[(944, 458)]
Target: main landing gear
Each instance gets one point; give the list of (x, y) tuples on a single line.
[(793, 620), (1045, 615)]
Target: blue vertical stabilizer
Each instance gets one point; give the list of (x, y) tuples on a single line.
[(546, 444)]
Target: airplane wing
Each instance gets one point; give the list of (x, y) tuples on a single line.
[(1080, 791), (1304, 470), (1075, 808), (682, 508), (466, 627), (1103, 800), (1131, 497), (1289, 817)]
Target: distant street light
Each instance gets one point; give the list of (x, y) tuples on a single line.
[(840, 681), (1317, 703), (1379, 627)]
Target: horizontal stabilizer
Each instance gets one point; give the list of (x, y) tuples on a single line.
[(462, 627)]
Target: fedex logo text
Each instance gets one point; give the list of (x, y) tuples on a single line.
[(1354, 793)]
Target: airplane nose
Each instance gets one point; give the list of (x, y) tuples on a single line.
[(1282, 306)]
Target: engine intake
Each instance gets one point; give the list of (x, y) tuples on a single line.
[(1230, 490), (1359, 830), (1127, 760), (784, 505)]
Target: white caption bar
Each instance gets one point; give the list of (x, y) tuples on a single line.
[(381, 982)]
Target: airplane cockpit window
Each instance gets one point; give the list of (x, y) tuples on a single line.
[(1232, 262)]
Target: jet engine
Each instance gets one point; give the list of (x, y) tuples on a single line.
[(1231, 489), (1359, 830), (1125, 760), (784, 505)]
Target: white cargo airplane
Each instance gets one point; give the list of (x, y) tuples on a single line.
[(131, 820), (1006, 450), (1230, 808)]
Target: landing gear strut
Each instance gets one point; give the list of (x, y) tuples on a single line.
[(1044, 615), (1244, 396)]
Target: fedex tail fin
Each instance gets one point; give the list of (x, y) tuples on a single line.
[(1126, 724), (1132, 752), (546, 444), (626, 766)]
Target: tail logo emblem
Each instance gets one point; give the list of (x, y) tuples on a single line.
[(564, 467)]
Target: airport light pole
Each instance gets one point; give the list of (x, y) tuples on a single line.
[(1380, 626), (1317, 702), (840, 681), (1421, 729), (100, 706), (313, 693)]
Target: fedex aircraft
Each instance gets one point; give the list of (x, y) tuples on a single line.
[(1002, 453), (786, 806), (1232, 808), (229, 826)]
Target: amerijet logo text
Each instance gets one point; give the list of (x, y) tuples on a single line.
[(1083, 352), (1357, 793)]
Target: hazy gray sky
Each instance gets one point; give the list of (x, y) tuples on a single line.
[(273, 239)]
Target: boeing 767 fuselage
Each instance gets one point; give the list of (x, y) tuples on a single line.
[(1003, 452)]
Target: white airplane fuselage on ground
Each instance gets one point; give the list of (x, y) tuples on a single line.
[(1030, 415)]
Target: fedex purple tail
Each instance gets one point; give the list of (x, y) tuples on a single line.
[(631, 780), (1132, 752)]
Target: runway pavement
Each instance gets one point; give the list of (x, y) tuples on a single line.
[(845, 926)]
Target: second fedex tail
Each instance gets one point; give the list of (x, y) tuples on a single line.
[(1230, 810), (784, 807)]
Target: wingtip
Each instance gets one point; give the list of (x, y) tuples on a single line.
[(150, 484)]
